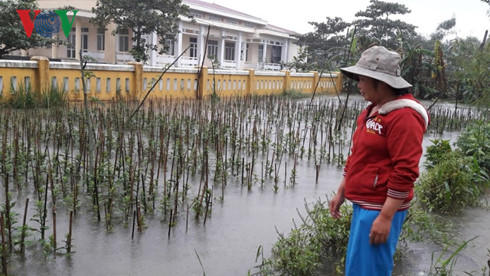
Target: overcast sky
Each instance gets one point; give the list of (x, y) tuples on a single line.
[(471, 15)]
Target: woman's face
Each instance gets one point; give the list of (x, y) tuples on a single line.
[(367, 88)]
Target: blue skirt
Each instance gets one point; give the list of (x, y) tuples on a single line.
[(364, 259)]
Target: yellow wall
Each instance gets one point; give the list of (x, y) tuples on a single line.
[(21, 74), (134, 80)]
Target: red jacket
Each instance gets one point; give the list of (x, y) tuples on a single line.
[(385, 155)]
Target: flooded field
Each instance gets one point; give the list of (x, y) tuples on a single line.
[(184, 187)]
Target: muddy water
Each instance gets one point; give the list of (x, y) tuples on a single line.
[(419, 258), (227, 244), (472, 260)]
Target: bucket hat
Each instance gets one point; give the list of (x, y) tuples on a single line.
[(378, 63)]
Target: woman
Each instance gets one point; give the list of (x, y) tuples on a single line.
[(380, 172)]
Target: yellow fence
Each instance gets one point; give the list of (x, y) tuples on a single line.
[(133, 81)]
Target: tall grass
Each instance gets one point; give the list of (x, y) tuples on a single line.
[(24, 98)]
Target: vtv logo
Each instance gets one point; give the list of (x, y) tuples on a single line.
[(46, 23)]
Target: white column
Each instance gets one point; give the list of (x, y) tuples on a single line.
[(238, 52), (54, 48), (222, 48), (201, 43), (153, 54), (117, 48), (266, 42), (110, 44), (179, 40), (179, 45), (285, 51), (78, 38)]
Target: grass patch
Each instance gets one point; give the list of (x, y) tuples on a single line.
[(24, 98), (294, 94), (318, 237)]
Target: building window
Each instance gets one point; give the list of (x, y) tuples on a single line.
[(27, 83), (243, 50), (87, 85), (54, 83), (190, 31), (124, 41), (77, 84), (196, 14), (246, 52), (118, 85), (70, 47), (108, 85), (100, 39), (276, 54), (193, 47), (229, 50), (13, 84), (85, 39), (65, 84), (169, 45), (261, 53), (97, 85), (212, 49)]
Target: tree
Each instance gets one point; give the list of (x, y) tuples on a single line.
[(142, 17), (376, 26), (325, 45), (468, 70), (12, 34), (488, 2), (443, 29), (417, 68)]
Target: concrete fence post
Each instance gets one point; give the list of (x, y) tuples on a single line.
[(137, 79), (338, 83), (41, 84), (316, 79), (287, 80), (203, 87), (250, 81)]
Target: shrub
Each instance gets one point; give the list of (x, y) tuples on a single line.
[(475, 141), (454, 183), (293, 94), (23, 98), (53, 98), (437, 152), (303, 250)]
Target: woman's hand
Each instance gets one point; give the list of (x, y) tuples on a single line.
[(335, 204), (380, 230), (337, 201)]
